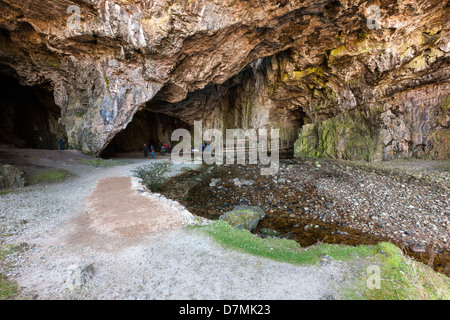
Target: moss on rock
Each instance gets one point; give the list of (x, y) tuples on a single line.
[(243, 217), (440, 140), (11, 177), (339, 137)]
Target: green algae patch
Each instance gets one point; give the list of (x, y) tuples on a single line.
[(402, 278), (49, 175), (441, 144), (307, 142)]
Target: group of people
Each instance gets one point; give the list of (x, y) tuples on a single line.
[(145, 149), (164, 149), (167, 148)]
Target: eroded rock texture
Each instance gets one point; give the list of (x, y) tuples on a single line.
[(357, 85)]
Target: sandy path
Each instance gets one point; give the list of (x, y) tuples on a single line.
[(139, 250), (116, 209)]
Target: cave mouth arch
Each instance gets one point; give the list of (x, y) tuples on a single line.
[(146, 127), (29, 115)]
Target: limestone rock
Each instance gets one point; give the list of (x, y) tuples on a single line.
[(214, 182), (77, 276)]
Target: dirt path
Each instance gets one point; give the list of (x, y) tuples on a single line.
[(116, 210), (138, 247)]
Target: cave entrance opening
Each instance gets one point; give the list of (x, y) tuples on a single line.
[(146, 127), (29, 115)]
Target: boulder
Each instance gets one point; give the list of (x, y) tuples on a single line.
[(11, 177), (243, 217)]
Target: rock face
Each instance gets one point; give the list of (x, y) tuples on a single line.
[(410, 124), (360, 79)]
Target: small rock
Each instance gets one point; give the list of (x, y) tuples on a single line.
[(214, 182), (417, 248), (269, 232), (325, 260)]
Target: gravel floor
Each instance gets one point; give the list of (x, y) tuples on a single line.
[(402, 206), (176, 265)]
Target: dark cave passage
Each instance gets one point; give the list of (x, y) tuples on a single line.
[(147, 127), (29, 115)]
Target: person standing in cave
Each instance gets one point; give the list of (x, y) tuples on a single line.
[(61, 143), (152, 151), (145, 149)]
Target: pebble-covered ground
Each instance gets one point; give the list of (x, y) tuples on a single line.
[(405, 202)]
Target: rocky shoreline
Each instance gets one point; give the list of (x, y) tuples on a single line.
[(404, 202)]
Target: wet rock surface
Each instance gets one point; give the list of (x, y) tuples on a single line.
[(404, 202)]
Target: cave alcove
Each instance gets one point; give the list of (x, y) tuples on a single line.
[(146, 127), (29, 115)]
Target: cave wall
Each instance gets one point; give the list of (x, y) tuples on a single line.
[(356, 92), (413, 123)]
